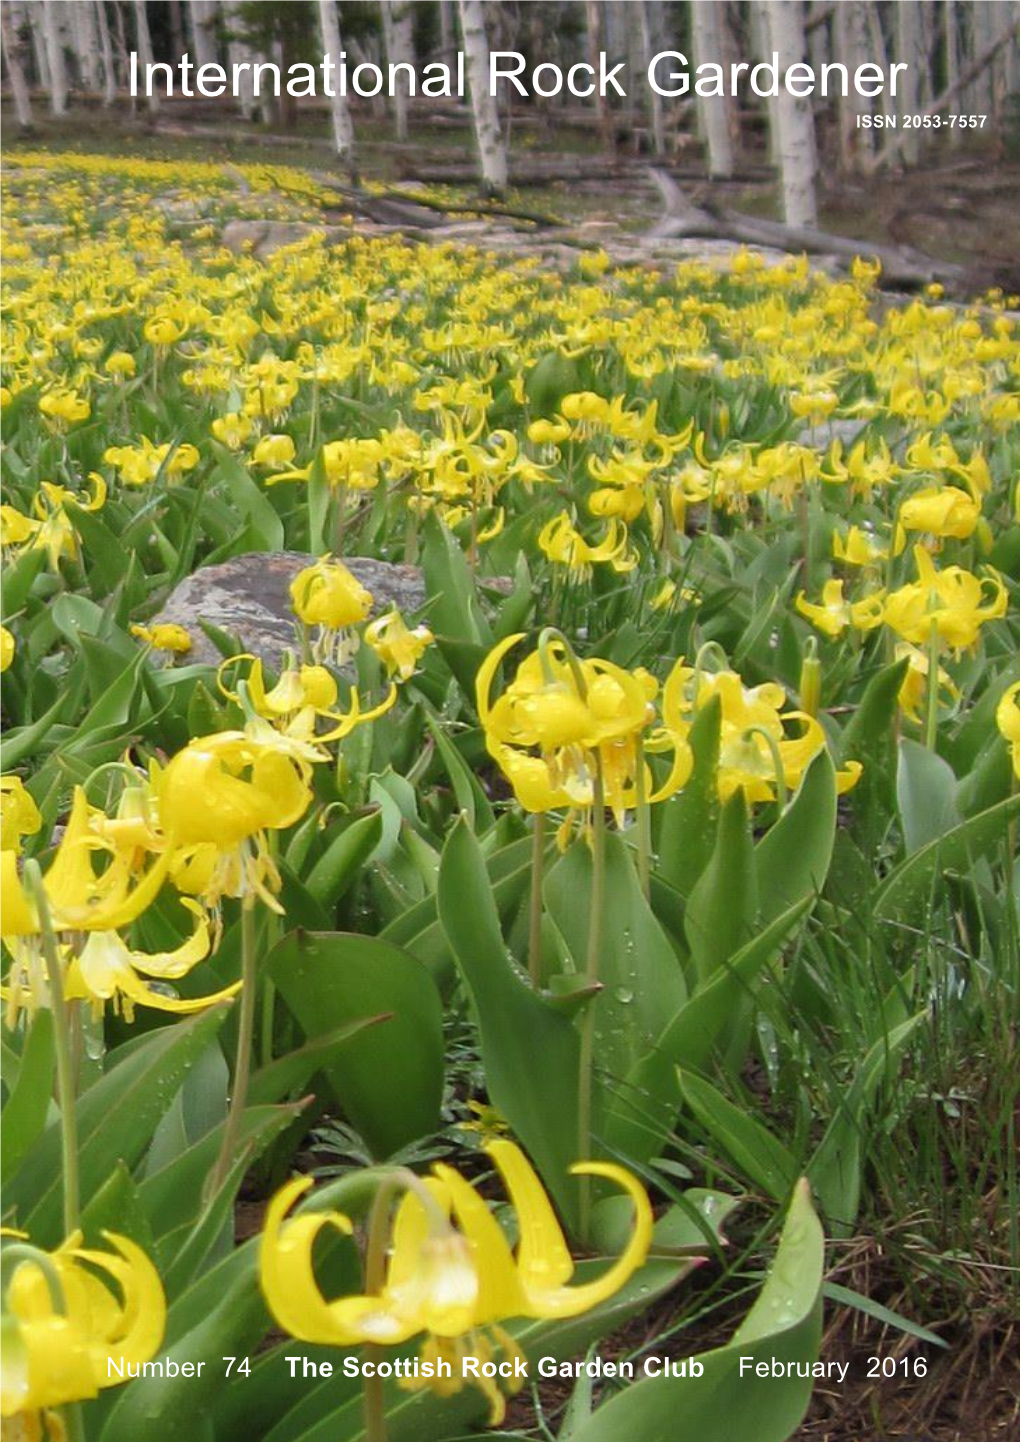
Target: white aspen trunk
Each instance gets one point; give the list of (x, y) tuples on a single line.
[(106, 48), (758, 34), (880, 55), (240, 54), (202, 17), (488, 136), (649, 47), (39, 47), (93, 47), (984, 31), (908, 51), (143, 44), (332, 45), (707, 19), (13, 53), (55, 57), (951, 45), (398, 39), (855, 144), (796, 124), (446, 27)]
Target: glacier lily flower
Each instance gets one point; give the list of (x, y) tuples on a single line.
[(452, 1274)]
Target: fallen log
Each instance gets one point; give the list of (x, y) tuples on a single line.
[(683, 219)]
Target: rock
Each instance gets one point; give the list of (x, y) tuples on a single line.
[(263, 238), (249, 597), (840, 428)]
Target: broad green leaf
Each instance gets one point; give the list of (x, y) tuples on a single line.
[(531, 1052), (925, 795), (686, 823), (792, 859), (250, 499), (727, 1402), (637, 966), (454, 611), (24, 1114), (723, 903), (116, 1120), (388, 1079), (471, 799)]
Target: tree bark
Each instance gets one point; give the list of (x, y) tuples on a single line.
[(707, 20), (13, 53), (55, 57), (106, 49), (852, 49), (343, 128), (398, 38), (488, 136), (795, 120), (202, 17), (144, 44), (656, 115)]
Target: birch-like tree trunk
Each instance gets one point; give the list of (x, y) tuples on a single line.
[(238, 53), (39, 49), (398, 38), (794, 117), (143, 44), (332, 45), (649, 37), (14, 55), (86, 44), (202, 18), (908, 51), (709, 28), (488, 136), (106, 49), (55, 57), (853, 49)]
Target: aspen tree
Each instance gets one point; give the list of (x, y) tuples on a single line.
[(707, 17), (332, 44), (794, 117), (488, 136)]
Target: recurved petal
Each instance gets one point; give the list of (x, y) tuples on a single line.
[(543, 1258), (563, 1301), (286, 1274)]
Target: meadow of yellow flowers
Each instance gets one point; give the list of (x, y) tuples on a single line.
[(664, 857)]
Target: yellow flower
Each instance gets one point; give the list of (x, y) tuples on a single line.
[(451, 1273), (66, 1316), (300, 697), (941, 511), (1007, 718), (835, 614), (167, 636), (65, 406), (19, 815), (326, 594), (565, 546), (274, 450), (756, 750), (586, 719), (233, 429), (79, 898), (857, 548), (399, 648), (6, 648), (216, 799), (952, 602), (121, 364)]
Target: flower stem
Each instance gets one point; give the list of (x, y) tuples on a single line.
[(931, 713), (587, 1057), (62, 1045), (535, 901), (245, 1041), (644, 822), (375, 1277)]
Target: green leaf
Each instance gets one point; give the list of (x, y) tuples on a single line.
[(471, 799), (336, 870), (264, 524), (116, 1120), (637, 966), (687, 821), (517, 1027), (792, 859), (847, 1297), (723, 902), (756, 1151), (925, 795), (911, 884), (454, 611), (24, 1115), (728, 1402), (389, 1078)]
